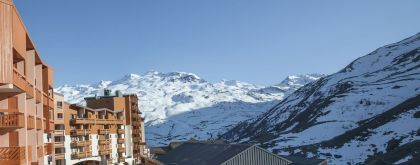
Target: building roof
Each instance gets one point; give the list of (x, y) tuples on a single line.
[(202, 153), (300, 160), (81, 106)]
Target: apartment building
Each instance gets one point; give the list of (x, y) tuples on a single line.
[(133, 122), (26, 95), (109, 130)]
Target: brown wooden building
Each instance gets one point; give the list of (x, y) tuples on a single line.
[(26, 95)]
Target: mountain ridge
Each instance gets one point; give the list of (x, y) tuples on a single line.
[(347, 113), (177, 101)]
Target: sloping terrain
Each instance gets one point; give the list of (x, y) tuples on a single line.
[(360, 114), (180, 106)]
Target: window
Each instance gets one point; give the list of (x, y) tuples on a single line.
[(60, 115), (59, 104)]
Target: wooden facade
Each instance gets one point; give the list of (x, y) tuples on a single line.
[(26, 100)]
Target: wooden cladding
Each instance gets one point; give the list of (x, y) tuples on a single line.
[(48, 148), (40, 151), (19, 34), (80, 155), (38, 123), (13, 155), (104, 141), (13, 120), (106, 151), (31, 122), (79, 132), (80, 143), (6, 53)]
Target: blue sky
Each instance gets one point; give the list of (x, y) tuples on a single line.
[(257, 41)]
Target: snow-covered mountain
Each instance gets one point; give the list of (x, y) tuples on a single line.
[(180, 106), (368, 112)]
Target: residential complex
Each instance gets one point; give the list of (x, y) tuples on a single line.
[(26, 95), (109, 130)]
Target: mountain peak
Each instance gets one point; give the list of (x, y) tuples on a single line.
[(132, 76)]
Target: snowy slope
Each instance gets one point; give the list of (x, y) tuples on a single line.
[(179, 106), (351, 115)]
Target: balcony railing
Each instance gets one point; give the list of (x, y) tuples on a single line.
[(38, 95), (59, 144), (58, 132), (48, 148), (38, 123), (13, 120), (51, 126), (121, 159), (83, 121), (104, 141), (105, 121), (80, 155), (104, 151), (59, 156), (13, 155), (120, 141), (51, 102), (31, 122), (44, 99), (103, 131), (80, 143), (119, 121), (121, 150), (44, 124), (19, 80), (78, 132)]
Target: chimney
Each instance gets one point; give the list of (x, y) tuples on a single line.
[(107, 92)]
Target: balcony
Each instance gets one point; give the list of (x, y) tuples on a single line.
[(81, 155), (82, 121), (19, 81), (80, 132), (121, 149), (104, 151), (105, 121), (120, 140), (38, 95), (51, 102), (121, 159), (58, 132), (59, 144), (120, 131), (59, 156), (136, 139), (104, 141), (44, 124), (13, 155), (80, 143), (119, 121), (38, 123), (103, 131), (12, 121), (48, 148), (48, 125), (31, 122), (44, 99)]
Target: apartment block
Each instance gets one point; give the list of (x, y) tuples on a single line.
[(26, 95), (133, 123), (109, 130)]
